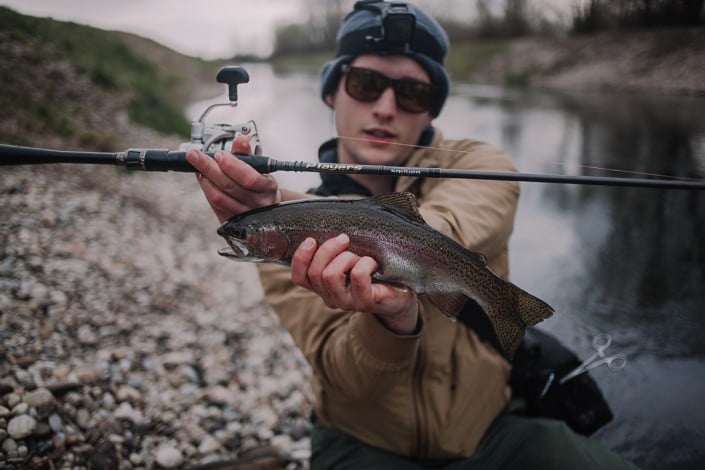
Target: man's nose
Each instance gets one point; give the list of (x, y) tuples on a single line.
[(386, 103)]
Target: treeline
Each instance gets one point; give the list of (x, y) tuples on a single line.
[(598, 15), (503, 19)]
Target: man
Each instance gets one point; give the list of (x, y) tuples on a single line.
[(397, 385)]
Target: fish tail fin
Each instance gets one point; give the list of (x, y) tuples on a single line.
[(521, 312), (508, 308), (510, 313), (530, 308)]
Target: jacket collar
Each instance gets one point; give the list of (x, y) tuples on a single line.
[(336, 184)]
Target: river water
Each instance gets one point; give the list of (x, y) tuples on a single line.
[(625, 261)]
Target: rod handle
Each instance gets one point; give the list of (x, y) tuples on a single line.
[(168, 160)]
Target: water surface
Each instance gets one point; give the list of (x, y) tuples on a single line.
[(625, 261)]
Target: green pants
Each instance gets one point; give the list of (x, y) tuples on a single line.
[(511, 442)]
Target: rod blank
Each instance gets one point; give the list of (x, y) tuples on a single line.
[(166, 160)]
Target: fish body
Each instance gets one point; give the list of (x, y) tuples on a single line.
[(408, 251)]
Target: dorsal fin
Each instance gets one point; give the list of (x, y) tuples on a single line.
[(403, 204)]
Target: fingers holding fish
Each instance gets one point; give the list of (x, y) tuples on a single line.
[(395, 306), (309, 263), (336, 285), (300, 262), (344, 280)]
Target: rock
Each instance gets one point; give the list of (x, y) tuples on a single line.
[(21, 426), (12, 399), (86, 335), (42, 400), (9, 447), (55, 423), (127, 393), (169, 456), (208, 445), (83, 418), (20, 408), (86, 375), (58, 389)]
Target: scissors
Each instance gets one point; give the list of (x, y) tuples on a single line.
[(600, 342)]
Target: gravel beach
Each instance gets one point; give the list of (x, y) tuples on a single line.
[(126, 341)]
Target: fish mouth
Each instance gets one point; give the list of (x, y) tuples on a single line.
[(236, 249)]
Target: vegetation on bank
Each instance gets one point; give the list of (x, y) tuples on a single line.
[(52, 70)]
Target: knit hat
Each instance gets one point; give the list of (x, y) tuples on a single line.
[(386, 28)]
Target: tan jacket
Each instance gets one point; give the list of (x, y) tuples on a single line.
[(434, 394)]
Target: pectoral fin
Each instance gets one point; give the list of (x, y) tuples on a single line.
[(450, 304)]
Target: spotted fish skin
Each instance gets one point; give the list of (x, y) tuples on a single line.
[(409, 252)]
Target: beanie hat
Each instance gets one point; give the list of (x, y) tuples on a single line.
[(386, 28)]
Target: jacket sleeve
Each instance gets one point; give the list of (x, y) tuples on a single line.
[(351, 352)]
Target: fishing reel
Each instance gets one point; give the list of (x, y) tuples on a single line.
[(213, 137)]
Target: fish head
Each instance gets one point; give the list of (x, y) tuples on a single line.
[(254, 243)]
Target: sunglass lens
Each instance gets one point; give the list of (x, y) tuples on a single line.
[(413, 97), (365, 85), (368, 85)]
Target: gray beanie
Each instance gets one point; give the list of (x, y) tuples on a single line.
[(378, 27)]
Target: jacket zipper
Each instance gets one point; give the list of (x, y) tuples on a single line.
[(420, 415)]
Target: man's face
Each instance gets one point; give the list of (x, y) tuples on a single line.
[(370, 132)]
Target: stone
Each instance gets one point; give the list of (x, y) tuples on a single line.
[(21, 426), (208, 445), (42, 400), (169, 456)]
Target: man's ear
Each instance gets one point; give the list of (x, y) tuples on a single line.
[(329, 99)]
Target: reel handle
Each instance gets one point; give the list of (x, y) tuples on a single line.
[(232, 76)]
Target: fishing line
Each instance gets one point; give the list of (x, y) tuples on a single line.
[(587, 167)]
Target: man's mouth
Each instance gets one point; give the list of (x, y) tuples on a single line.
[(379, 135)]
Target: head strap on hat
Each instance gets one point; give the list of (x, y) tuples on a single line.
[(394, 32)]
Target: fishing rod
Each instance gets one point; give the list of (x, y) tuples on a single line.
[(168, 160), (211, 138)]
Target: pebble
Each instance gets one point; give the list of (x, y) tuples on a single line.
[(55, 423), (169, 456), (21, 426), (208, 445), (130, 333), (42, 400)]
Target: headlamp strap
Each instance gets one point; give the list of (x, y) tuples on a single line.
[(398, 25)]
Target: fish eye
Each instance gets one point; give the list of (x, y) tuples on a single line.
[(238, 232)]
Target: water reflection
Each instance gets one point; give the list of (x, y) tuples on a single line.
[(630, 262), (627, 261)]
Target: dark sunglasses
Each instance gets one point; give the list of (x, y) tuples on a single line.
[(367, 85)]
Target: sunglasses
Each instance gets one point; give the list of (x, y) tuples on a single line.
[(367, 85)]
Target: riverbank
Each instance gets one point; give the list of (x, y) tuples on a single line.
[(125, 340), (658, 61)]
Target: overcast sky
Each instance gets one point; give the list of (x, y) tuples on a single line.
[(210, 29)]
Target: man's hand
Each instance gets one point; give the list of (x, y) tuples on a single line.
[(231, 186), (344, 280)]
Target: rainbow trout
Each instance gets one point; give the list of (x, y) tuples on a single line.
[(409, 252)]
